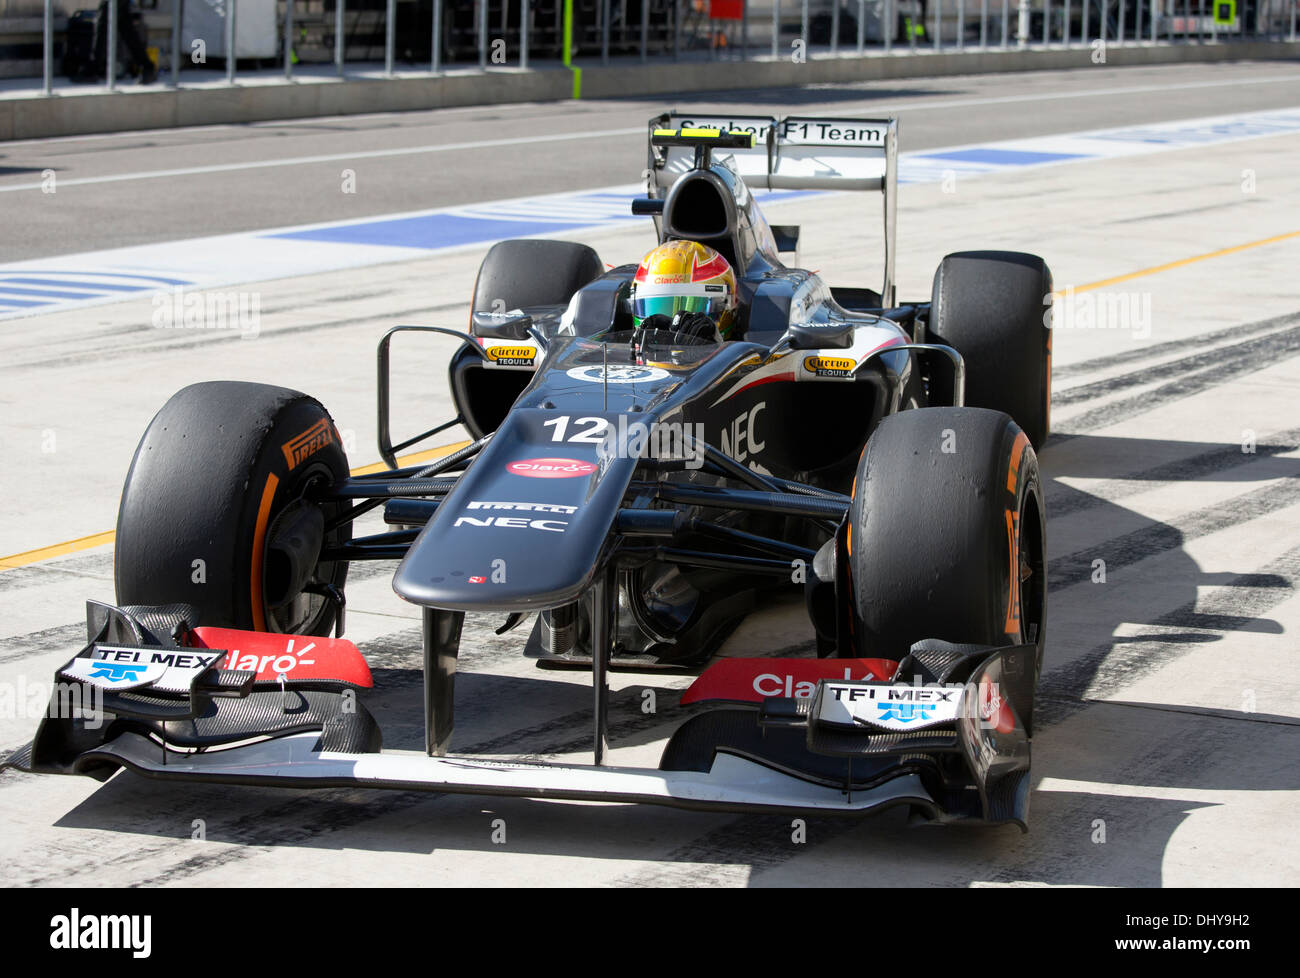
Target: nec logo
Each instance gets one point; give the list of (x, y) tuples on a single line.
[(515, 523)]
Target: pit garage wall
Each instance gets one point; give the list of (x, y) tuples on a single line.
[(36, 116)]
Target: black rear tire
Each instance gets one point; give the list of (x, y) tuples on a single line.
[(990, 306), (947, 537), (214, 487), (519, 274)]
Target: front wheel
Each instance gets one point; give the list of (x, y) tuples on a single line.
[(217, 510), (946, 536)]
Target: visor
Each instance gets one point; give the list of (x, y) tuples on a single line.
[(670, 305)]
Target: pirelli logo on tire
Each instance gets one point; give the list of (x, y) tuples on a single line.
[(832, 368), (301, 447)]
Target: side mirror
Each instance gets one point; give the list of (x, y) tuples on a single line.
[(642, 206), (820, 336), (501, 325)]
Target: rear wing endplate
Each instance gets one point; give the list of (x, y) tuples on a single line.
[(796, 153)]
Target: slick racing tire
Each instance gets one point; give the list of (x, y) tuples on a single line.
[(214, 512), (518, 274), (946, 536), (991, 306)]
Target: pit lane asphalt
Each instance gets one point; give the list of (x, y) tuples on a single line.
[(1170, 702), (251, 194)]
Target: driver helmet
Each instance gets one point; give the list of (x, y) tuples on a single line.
[(685, 276)]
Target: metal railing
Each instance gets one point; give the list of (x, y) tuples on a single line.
[(798, 29)]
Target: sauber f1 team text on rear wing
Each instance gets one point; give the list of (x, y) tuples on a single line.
[(795, 153)]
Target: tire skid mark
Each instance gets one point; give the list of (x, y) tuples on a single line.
[(19, 647), (1182, 367), (1268, 720), (1062, 503), (90, 567), (331, 809), (1154, 352), (748, 842), (1244, 358), (1158, 538), (120, 351)]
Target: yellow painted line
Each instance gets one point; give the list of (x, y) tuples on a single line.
[(1154, 269), (58, 550), (108, 536), (413, 459)]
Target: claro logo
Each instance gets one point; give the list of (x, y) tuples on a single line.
[(550, 468), (771, 684)]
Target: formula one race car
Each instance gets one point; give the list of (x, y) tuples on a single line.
[(639, 487)]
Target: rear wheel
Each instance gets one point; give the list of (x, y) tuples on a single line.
[(215, 510), (946, 534), (514, 275), (990, 307), (519, 274)]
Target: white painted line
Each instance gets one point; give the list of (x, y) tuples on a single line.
[(329, 158), (960, 103)]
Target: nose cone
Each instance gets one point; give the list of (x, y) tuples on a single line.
[(524, 527)]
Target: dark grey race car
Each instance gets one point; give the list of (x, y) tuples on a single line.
[(640, 495)]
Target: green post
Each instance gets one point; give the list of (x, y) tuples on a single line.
[(568, 49)]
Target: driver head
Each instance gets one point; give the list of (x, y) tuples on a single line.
[(685, 277)]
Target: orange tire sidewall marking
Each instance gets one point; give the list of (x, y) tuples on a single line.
[(1012, 625), (1017, 449), (259, 548)]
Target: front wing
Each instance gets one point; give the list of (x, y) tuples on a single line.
[(950, 746)]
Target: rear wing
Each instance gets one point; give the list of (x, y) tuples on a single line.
[(796, 153)]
